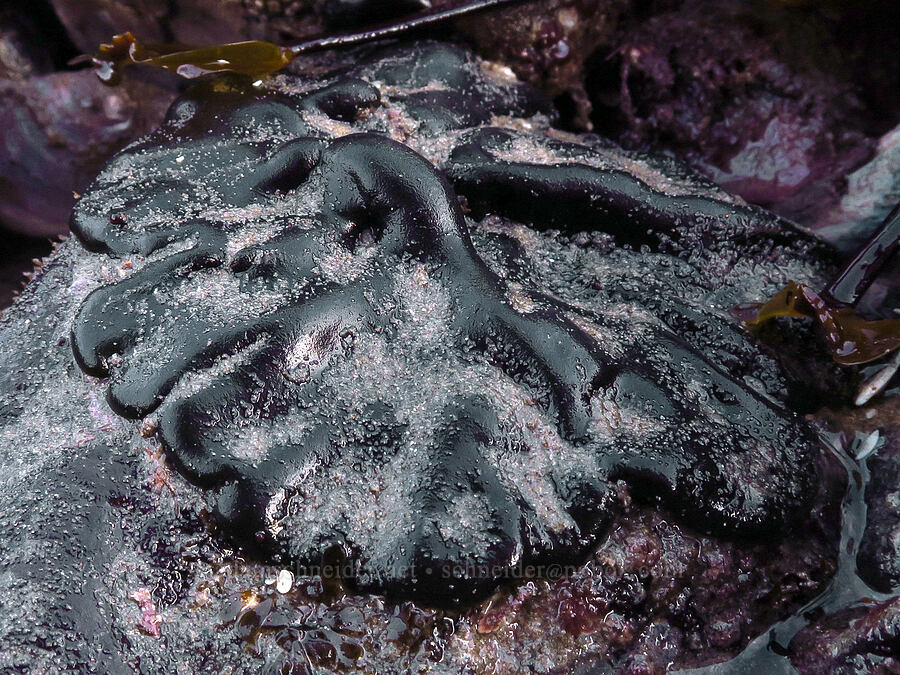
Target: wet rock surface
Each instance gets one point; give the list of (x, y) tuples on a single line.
[(859, 631), (653, 264), (751, 96), (879, 555), (854, 640), (872, 191), (58, 131)]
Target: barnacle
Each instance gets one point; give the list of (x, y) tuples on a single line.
[(341, 356)]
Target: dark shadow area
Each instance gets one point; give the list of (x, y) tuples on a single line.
[(17, 253)]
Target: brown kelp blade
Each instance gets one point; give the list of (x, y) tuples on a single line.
[(255, 58), (851, 339)]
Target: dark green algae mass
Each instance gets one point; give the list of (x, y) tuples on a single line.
[(393, 312)]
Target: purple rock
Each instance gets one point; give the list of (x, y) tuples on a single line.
[(58, 130)]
